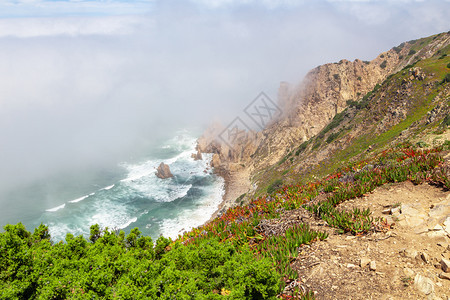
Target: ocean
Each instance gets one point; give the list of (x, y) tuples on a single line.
[(126, 195)]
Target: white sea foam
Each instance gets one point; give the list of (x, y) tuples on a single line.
[(127, 223), (79, 199), (192, 218), (108, 187), (56, 208)]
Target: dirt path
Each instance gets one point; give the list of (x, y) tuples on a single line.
[(402, 263)]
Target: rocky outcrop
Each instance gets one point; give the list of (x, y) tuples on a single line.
[(309, 106), (163, 171), (197, 156)]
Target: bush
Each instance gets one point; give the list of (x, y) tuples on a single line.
[(301, 148), (334, 123), (446, 121), (412, 52), (274, 186), (332, 137), (448, 65), (383, 64), (446, 79), (33, 268)]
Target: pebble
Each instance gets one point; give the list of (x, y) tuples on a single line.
[(372, 265)]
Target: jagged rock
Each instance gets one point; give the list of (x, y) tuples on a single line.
[(445, 265), (417, 73), (197, 156), (372, 266), (364, 261), (425, 257), (163, 171), (444, 276), (215, 161), (424, 284)]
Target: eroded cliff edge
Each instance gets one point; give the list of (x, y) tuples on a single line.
[(328, 91)]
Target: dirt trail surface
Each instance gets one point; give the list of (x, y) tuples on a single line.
[(411, 260)]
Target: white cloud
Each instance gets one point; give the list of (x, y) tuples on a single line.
[(71, 26), (46, 8)]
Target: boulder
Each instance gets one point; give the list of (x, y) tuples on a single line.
[(163, 171)]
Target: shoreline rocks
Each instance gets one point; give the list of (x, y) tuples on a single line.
[(163, 171)]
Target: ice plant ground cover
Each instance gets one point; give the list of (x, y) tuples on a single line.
[(227, 257)]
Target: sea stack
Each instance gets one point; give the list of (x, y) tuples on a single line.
[(197, 156), (163, 171)]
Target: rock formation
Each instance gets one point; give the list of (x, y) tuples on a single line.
[(163, 171), (309, 106), (197, 156)]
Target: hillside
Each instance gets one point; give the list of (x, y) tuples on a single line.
[(346, 196), (340, 110)]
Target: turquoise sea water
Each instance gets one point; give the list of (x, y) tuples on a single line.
[(125, 196)]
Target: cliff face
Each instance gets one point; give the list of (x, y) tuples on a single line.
[(309, 106)]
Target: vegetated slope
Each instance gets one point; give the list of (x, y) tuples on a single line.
[(252, 251), (408, 104), (307, 108)]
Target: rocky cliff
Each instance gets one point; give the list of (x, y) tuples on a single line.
[(325, 93)]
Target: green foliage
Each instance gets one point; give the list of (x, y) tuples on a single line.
[(442, 56), (334, 123), (446, 78), (383, 64), (333, 136), (301, 148), (274, 186), (382, 56), (411, 52), (108, 268), (239, 199), (336, 76), (448, 65)]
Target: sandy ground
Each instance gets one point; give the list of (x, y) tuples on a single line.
[(236, 184)]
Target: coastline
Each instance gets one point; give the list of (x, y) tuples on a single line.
[(236, 183)]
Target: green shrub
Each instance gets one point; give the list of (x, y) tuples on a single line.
[(446, 78), (448, 65), (302, 147), (446, 121), (274, 186), (336, 76), (382, 56), (332, 137), (33, 268), (383, 64), (334, 123), (442, 56), (411, 52)]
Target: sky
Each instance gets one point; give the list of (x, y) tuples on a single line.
[(92, 82)]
